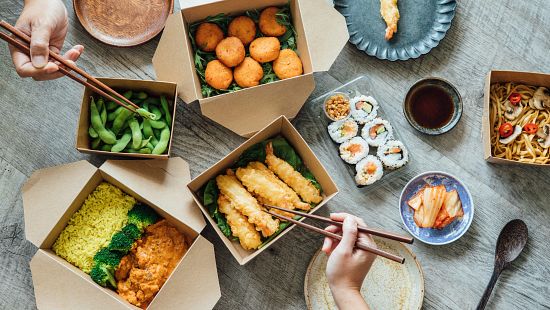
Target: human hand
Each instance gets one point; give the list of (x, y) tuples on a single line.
[(45, 21), (347, 267)]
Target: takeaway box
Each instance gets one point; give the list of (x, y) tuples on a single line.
[(52, 195), (497, 76), (321, 35), (153, 88), (279, 127)]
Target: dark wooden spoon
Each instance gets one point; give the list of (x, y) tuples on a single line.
[(510, 243)]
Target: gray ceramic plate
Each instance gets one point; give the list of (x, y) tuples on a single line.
[(388, 285), (422, 25)]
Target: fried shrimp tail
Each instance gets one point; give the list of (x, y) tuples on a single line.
[(240, 227), (246, 204), (390, 14), (293, 178)]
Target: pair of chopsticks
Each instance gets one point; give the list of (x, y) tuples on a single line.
[(65, 67), (358, 244)]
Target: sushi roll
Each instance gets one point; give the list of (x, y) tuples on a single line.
[(369, 170), (342, 131), (377, 132), (352, 151), (393, 154), (364, 109)]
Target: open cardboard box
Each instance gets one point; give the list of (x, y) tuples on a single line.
[(321, 35), (52, 195), (280, 126), (153, 88), (497, 76)]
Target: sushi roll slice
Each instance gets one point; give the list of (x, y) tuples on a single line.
[(342, 131), (364, 109), (369, 170), (393, 154), (377, 132), (352, 151)]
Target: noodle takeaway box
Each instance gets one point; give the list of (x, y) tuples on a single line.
[(321, 33), (52, 195), (496, 76)]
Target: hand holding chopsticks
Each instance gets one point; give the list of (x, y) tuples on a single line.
[(359, 245)]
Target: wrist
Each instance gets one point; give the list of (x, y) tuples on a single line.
[(348, 298)]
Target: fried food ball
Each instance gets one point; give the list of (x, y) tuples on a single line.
[(230, 51), (208, 36), (248, 73), (287, 65), (265, 49), (268, 23), (218, 75), (244, 28)]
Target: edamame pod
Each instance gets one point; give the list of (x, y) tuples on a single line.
[(147, 129), (128, 94), (145, 142), (164, 105), (163, 142), (146, 114), (105, 135), (145, 151), (150, 146), (152, 100), (155, 110), (95, 143), (157, 124), (122, 142), (141, 95), (119, 121), (136, 132), (112, 115), (92, 132), (102, 111), (106, 147), (111, 105)]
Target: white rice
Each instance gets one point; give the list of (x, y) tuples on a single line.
[(341, 131), (381, 138), (361, 114), (393, 161), (353, 150), (363, 177)]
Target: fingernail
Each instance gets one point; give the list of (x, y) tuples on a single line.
[(39, 61)]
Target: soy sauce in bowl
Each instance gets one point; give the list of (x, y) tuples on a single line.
[(433, 106)]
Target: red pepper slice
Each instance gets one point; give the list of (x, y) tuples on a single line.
[(506, 130), (531, 128), (515, 98)]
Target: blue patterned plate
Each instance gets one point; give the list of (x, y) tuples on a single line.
[(422, 25), (452, 231)]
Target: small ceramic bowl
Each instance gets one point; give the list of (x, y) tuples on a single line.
[(346, 97), (455, 229), (446, 87)]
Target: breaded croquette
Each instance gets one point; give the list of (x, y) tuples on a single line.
[(240, 227), (248, 73), (230, 51), (244, 28), (218, 75), (245, 203), (287, 65), (265, 49), (269, 25), (293, 178), (208, 36)]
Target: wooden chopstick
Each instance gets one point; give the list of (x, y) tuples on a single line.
[(18, 33), (26, 49), (358, 244), (372, 231)]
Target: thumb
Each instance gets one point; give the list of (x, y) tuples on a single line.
[(40, 44), (349, 234)]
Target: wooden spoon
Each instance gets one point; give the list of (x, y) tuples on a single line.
[(510, 243)]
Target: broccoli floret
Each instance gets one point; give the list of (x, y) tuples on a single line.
[(108, 257), (120, 242), (132, 231), (142, 216), (103, 274)]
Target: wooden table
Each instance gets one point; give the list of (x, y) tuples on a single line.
[(38, 130)]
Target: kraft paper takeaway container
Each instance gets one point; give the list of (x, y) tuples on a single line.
[(52, 195), (321, 35)]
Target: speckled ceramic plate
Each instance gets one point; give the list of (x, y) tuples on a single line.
[(422, 24), (452, 231), (388, 285)]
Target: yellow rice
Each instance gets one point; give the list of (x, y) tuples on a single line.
[(103, 213)]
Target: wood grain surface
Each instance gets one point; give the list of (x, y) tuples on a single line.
[(38, 130)]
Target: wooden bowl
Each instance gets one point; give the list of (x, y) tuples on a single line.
[(123, 23)]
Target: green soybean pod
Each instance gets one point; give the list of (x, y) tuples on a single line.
[(128, 94), (145, 151), (154, 141), (157, 124), (111, 105), (95, 143), (152, 100), (102, 111), (122, 142), (147, 129), (150, 146), (145, 106), (141, 95), (157, 112), (163, 142), (119, 121), (136, 132), (105, 135), (92, 132), (144, 142), (164, 105), (112, 115), (106, 147), (156, 133)]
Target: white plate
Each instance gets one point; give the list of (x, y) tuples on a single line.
[(388, 285)]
